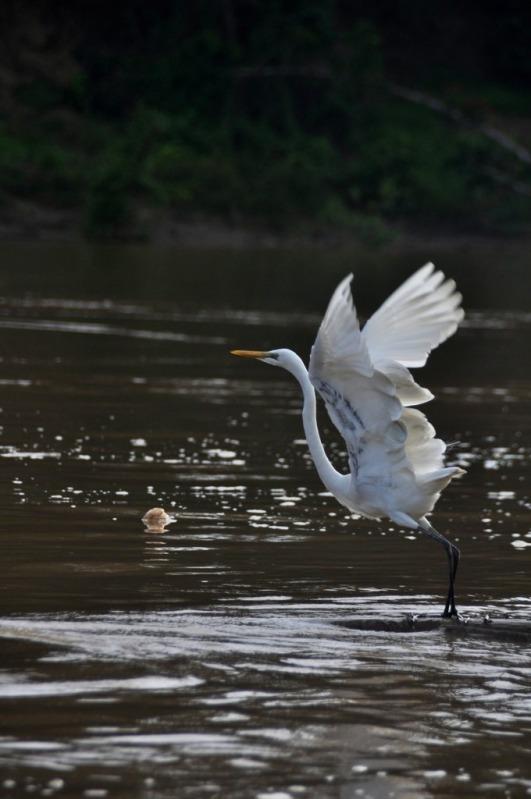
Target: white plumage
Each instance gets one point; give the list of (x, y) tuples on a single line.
[(365, 383), (396, 464), (415, 319)]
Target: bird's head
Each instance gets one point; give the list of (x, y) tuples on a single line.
[(272, 356), (287, 359)]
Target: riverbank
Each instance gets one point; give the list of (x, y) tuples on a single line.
[(29, 221)]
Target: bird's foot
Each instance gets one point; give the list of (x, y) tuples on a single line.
[(453, 613)]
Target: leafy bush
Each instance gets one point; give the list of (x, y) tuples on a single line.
[(278, 113)]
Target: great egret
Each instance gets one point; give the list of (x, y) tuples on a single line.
[(396, 464)]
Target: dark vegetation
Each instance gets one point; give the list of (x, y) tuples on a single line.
[(307, 115)]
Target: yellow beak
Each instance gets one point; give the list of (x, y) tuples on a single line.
[(249, 353)]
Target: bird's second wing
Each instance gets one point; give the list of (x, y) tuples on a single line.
[(416, 318), (360, 400)]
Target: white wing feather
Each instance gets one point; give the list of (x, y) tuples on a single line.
[(415, 319), (365, 388), (361, 402)]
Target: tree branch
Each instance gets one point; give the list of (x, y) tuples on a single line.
[(435, 104)]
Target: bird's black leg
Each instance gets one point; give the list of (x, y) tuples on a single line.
[(452, 553)]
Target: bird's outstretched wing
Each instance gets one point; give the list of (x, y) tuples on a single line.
[(416, 318), (361, 401), (365, 387)]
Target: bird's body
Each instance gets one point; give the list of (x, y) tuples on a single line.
[(396, 464)]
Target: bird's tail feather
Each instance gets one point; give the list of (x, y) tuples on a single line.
[(436, 481)]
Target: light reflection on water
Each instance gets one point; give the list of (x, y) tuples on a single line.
[(255, 647)]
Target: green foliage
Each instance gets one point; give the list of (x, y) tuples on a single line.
[(107, 196), (33, 168), (279, 113)]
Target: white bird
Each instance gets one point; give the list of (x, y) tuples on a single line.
[(396, 464)]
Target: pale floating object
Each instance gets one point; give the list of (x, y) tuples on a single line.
[(156, 520)]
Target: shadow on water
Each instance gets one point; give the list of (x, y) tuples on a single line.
[(225, 656)]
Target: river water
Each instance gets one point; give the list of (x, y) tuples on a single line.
[(257, 647)]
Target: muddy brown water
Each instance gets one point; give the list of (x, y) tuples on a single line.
[(238, 654)]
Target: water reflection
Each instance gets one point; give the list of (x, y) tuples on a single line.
[(272, 676), (256, 648)]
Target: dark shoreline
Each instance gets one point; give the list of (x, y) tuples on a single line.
[(31, 222)]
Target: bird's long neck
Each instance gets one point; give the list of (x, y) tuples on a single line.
[(333, 480)]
